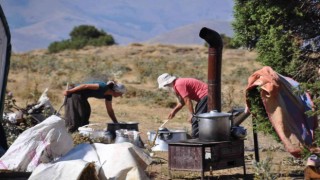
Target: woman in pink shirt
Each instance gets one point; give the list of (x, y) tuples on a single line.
[(186, 90)]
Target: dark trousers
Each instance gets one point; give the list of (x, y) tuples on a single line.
[(201, 107), (77, 112)]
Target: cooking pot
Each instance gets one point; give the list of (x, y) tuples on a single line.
[(121, 136), (214, 126), (93, 134), (132, 126), (113, 127), (166, 136)]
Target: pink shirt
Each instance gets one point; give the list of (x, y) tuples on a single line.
[(190, 87)]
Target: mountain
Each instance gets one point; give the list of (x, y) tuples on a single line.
[(35, 24), (189, 34)]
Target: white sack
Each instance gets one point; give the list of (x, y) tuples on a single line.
[(43, 101), (42, 143), (11, 117), (122, 161), (68, 170), (85, 152)]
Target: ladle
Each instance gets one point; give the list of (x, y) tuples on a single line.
[(157, 132)]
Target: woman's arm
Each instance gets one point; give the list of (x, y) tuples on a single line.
[(80, 88), (110, 111), (189, 105), (176, 109)]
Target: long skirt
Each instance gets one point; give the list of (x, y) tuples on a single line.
[(77, 112), (201, 107)]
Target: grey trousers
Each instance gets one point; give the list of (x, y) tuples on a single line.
[(201, 107)]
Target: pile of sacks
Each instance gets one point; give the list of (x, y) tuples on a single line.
[(47, 150)]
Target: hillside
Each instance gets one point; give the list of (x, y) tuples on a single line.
[(138, 66)]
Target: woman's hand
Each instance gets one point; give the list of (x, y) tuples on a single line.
[(171, 115), (66, 92)]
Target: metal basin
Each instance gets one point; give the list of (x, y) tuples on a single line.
[(166, 137), (113, 127)]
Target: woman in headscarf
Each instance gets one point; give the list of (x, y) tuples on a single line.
[(77, 108)]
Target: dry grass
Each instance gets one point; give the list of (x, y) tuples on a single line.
[(138, 66)]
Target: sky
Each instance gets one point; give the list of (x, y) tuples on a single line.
[(36, 23)]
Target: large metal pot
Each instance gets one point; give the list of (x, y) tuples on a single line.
[(214, 126)]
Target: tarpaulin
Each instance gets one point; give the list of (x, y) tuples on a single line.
[(286, 109), (123, 161)]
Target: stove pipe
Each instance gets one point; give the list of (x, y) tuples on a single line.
[(214, 67)]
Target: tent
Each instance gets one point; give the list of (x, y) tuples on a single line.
[(5, 52)]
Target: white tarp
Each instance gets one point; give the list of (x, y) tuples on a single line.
[(64, 170), (43, 143), (122, 161)]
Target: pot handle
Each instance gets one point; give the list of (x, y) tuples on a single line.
[(235, 112), (165, 136), (196, 117)]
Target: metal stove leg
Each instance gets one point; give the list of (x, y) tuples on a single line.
[(256, 146), (244, 163), (255, 140)]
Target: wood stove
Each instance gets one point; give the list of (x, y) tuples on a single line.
[(195, 155), (208, 155)]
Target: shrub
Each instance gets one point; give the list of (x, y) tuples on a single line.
[(82, 36)]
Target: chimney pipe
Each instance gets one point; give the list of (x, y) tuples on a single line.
[(214, 67)]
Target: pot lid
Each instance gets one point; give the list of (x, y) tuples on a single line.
[(213, 113), (131, 122), (163, 129)]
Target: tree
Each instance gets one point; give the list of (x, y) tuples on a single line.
[(82, 36), (86, 32), (286, 34)]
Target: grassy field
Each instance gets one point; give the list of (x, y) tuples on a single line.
[(138, 66)]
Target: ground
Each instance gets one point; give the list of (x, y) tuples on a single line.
[(137, 66)]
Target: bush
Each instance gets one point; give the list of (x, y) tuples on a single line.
[(82, 36), (86, 32), (101, 41), (58, 46)]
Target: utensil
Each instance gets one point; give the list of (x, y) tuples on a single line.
[(64, 100), (157, 132)]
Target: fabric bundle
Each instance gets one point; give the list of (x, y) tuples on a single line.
[(286, 108)]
